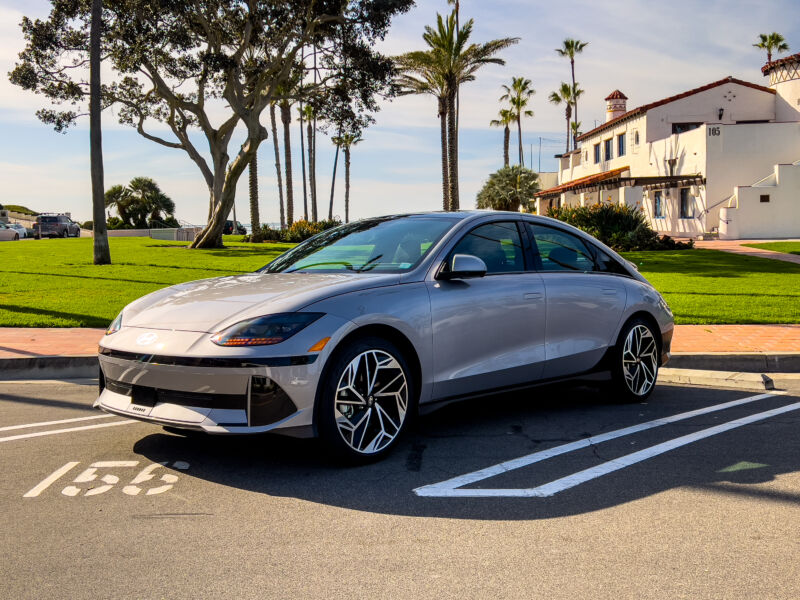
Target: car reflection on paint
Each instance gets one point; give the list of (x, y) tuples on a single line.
[(351, 332)]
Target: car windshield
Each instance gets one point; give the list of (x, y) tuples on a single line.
[(385, 245), (48, 219)]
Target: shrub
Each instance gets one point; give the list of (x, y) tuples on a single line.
[(508, 189), (299, 231), (622, 228), (87, 225)]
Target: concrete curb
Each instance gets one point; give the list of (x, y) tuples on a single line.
[(752, 362), (48, 367), (729, 379)]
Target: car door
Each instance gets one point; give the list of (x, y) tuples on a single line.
[(488, 332), (584, 305)]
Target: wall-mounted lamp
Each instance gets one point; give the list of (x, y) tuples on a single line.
[(721, 110)]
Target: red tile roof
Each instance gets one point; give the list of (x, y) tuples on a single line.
[(781, 61), (588, 180), (616, 95), (643, 109)]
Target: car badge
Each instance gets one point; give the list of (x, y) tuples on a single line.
[(146, 338)]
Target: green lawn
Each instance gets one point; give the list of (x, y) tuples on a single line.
[(52, 283), (709, 286), (787, 247)]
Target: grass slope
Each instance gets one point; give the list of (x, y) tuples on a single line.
[(709, 286), (785, 247), (52, 283)]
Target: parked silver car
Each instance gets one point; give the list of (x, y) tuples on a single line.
[(349, 333), (20, 229), (8, 233)]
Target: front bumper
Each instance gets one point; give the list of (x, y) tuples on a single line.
[(220, 396), (666, 345)]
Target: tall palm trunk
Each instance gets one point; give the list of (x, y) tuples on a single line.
[(574, 137), (519, 138), (255, 222), (568, 113), (303, 165), (277, 161), (506, 140), (312, 170), (445, 165), (333, 182), (347, 184), (102, 253), (452, 147), (286, 118)]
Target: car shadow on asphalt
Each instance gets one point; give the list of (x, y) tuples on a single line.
[(475, 434)]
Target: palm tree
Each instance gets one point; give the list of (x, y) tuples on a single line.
[(569, 49), (308, 113), (566, 94), (286, 119), (505, 118), (119, 197), (518, 95), (418, 75), (771, 42), (147, 199), (457, 63), (301, 112), (277, 161), (576, 130), (345, 142)]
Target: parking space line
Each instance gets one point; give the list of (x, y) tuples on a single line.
[(61, 422), (67, 430), (449, 487)]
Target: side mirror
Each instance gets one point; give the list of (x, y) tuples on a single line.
[(464, 266)]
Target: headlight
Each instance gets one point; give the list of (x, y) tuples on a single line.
[(265, 331), (115, 326)]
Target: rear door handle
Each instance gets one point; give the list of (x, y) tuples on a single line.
[(533, 295)]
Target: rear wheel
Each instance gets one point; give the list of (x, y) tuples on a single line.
[(635, 361), (367, 400), (65, 233)]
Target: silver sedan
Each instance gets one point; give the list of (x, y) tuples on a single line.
[(350, 333), (8, 233)]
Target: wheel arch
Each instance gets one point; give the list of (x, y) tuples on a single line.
[(650, 319), (387, 332)]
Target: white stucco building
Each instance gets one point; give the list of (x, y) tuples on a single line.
[(722, 158)]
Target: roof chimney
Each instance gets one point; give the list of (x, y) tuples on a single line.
[(615, 105)]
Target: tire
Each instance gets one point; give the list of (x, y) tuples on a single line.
[(16, 238), (65, 233), (635, 361), (360, 423)]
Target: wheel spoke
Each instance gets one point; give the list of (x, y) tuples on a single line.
[(640, 360)]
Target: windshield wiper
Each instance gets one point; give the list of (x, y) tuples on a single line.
[(369, 263), (346, 264)]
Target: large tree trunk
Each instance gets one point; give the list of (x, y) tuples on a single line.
[(286, 118), (452, 147), (303, 165), (255, 221), (519, 138), (568, 113), (276, 146), (445, 165), (102, 253), (574, 137), (347, 184), (506, 141), (312, 170), (333, 183)]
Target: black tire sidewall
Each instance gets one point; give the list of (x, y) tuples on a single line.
[(326, 421), (620, 388)]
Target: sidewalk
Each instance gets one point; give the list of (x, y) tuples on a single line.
[(737, 247), (28, 343)]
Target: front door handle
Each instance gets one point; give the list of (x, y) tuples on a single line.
[(533, 295)]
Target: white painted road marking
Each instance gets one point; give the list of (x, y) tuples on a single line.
[(48, 481), (67, 430), (61, 422), (449, 488)]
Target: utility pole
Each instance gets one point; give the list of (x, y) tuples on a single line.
[(540, 154)]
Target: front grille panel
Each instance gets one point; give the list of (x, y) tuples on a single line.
[(149, 396)]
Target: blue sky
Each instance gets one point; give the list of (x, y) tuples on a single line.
[(646, 49)]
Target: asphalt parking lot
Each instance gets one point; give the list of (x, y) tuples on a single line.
[(550, 493)]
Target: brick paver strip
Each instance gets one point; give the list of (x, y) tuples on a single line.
[(22, 342)]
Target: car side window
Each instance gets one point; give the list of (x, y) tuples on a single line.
[(496, 244), (607, 264), (559, 250)]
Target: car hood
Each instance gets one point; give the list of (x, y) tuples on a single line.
[(210, 305)]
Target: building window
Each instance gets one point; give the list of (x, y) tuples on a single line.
[(658, 204), (621, 144), (636, 137), (596, 153), (687, 205), (764, 198), (608, 149), (684, 127)]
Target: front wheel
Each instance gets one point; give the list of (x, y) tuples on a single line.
[(635, 361), (367, 399)]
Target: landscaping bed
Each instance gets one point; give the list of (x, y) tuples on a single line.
[(52, 283)]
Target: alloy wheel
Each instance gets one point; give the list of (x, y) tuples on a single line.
[(640, 360), (371, 401)]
